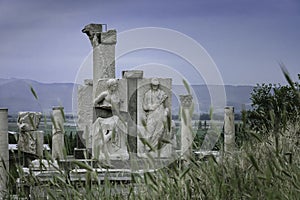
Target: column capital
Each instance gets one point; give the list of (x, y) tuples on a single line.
[(97, 36), (186, 100)]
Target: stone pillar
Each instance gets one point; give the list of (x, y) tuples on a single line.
[(229, 131), (4, 155), (103, 51), (58, 146), (39, 135), (186, 125), (85, 112), (132, 77)]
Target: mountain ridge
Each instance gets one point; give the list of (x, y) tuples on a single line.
[(16, 95)]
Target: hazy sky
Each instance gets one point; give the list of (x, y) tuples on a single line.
[(42, 40)]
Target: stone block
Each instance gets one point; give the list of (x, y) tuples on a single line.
[(135, 74)]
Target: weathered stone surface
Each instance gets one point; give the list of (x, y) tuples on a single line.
[(103, 51), (91, 30), (31, 142), (58, 133), (3, 151), (135, 74), (39, 143), (109, 139), (121, 91), (85, 112), (29, 121), (186, 125), (103, 62), (186, 100), (109, 128), (154, 117), (88, 82), (229, 131), (97, 36), (109, 37)]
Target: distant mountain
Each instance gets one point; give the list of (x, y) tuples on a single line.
[(16, 95)]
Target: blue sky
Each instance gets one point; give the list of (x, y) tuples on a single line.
[(42, 40)]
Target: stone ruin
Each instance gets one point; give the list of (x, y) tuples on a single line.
[(118, 120), (122, 118), (31, 140)]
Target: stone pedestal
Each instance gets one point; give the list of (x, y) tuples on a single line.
[(58, 146), (186, 125), (229, 131), (3, 152)]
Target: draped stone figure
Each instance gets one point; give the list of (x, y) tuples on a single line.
[(108, 129), (156, 113)]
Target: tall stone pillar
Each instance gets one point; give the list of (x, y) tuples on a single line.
[(103, 52), (132, 77), (85, 112), (186, 125), (3, 151), (229, 131), (58, 146)]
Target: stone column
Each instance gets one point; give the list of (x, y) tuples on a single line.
[(103, 51), (39, 143), (229, 131), (58, 146), (4, 155), (85, 112), (186, 125), (132, 77)]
